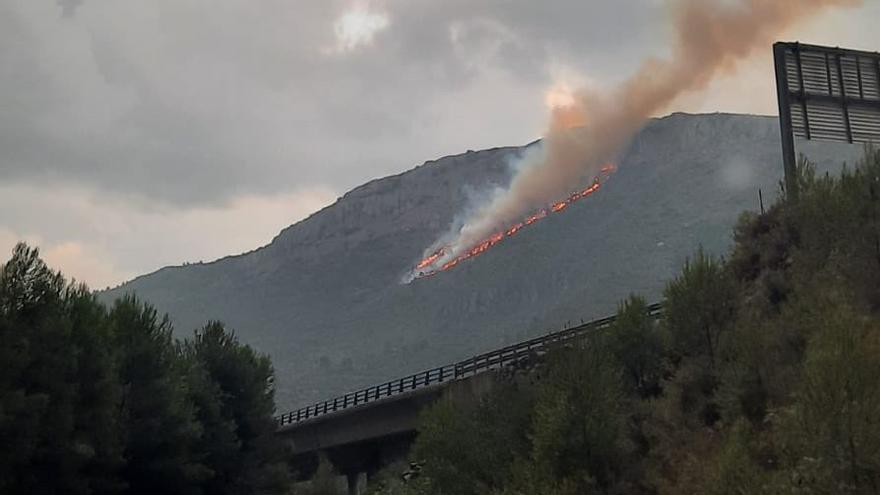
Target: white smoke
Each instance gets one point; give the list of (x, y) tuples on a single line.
[(710, 37)]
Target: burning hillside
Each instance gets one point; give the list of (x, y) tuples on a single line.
[(589, 127), (447, 256)]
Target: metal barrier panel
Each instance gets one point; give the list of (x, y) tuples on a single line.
[(825, 93)]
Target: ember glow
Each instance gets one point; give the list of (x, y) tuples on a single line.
[(443, 259)]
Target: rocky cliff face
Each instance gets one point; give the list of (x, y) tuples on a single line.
[(324, 298)]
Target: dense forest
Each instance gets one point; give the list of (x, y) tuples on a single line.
[(97, 400), (763, 376)]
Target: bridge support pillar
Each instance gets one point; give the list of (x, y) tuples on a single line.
[(357, 483)]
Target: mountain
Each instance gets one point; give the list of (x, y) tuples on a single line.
[(324, 298)]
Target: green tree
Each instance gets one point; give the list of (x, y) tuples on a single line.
[(579, 426), (836, 228), (471, 450), (93, 401), (831, 433), (762, 377), (233, 389), (699, 308), (161, 429), (637, 344), (734, 471), (98, 392), (57, 429)]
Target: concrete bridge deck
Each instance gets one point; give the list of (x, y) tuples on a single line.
[(363, 431)]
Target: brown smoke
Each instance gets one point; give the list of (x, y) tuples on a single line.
[(710, 38)]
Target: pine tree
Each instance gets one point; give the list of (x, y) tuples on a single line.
[(57, 390), (161, 429), (235, 399)]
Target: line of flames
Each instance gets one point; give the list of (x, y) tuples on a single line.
[(497, 237)]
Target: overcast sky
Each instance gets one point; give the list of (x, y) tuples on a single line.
[(135, 135)]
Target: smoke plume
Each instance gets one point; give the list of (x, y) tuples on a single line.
[(710, 37)]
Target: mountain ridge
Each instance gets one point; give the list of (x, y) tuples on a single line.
[(323, 298), (371, 182)]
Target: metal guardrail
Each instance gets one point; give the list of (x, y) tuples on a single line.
[(462, 369)]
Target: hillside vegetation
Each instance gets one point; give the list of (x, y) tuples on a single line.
[(324, 298), (97, 400), (762, 376)]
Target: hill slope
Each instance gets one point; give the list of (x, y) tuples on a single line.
[(324, 298)]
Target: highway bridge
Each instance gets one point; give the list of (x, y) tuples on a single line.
[(362, 431)]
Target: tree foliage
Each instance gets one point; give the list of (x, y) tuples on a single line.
[(232, 387), (473, 451), (639, 347), (105, 401), (57, 424), (761, 377), (579, 431)]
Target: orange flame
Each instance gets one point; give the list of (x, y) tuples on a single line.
[(430, 259), (497, 237)]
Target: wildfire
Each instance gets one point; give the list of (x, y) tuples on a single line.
[(426, 267)]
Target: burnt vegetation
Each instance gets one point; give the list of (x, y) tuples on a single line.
[(761, 377)]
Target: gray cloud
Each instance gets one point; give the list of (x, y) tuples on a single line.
[(68, 7), (198, 102), (139, 134)]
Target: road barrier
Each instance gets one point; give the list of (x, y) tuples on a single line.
[(462, 369)]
